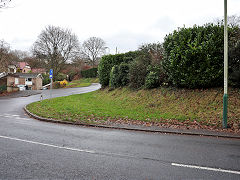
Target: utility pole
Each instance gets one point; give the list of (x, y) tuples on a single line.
[(225, 96)]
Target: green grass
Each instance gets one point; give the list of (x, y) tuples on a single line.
[(161, 105), (82, 82)]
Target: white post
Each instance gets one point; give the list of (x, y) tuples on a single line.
[(51, 88), (225, 96)]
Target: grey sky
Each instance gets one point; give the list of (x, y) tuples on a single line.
[(125, 24)]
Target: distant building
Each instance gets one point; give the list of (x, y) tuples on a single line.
[(12, 68), (24, 67), (22, 81)]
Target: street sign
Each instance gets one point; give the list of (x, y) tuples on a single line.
[(51, 74)]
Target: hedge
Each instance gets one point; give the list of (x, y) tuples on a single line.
[(108, 61), (194, 56), (119, 75), (3, 88), (138, 71), (90, 73)]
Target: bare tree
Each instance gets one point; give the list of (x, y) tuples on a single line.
[(3, 3), (4, 55), (233, 21), (92, 50), (154, 50), (21, 55), (78, 62), (55, 46)]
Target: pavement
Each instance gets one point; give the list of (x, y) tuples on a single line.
[(21, 94)]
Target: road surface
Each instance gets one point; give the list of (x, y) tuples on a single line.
[(31, 149)]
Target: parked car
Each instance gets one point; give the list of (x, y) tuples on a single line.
[(21, 87)]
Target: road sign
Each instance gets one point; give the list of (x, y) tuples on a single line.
[(51, 74)]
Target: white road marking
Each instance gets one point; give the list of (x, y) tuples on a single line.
[(15, 115), (206, 168), (24, 123), (25, 119), (93, 152), (48, 145), (5, 114), (8, 116)]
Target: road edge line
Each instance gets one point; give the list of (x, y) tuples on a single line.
[(206, 168)]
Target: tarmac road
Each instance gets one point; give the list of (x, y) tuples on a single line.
[(32, 149)]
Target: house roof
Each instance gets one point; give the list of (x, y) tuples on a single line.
[(22, 64), (3, 74), (26, 75)]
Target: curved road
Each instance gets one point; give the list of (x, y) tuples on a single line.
[(31, 149)]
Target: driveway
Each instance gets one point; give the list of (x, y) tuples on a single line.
[(31, 149)]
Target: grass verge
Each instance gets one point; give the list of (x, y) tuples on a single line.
[(161, 107), (82, 82)]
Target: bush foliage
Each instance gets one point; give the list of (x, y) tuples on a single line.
[(114, 78), (123, 73), (189, 57), (108, 61), (119, 75), (155, 76), (138, 72), (56, 85), (194, 56), (234, 58), (63, 83), (46, 79), (60, 77), (90, 73)]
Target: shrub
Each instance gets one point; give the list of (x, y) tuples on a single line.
[(138, 71), (151, 80), (119, 75), (194, 56), (3, 88), (72, 75), (123, 73), (60, 77), (56, 85), (63, 83), (155, 76), (234, 63), (114, 77), (46, 79), (154, 51), (104, 69), (90, 73), (108, 61)]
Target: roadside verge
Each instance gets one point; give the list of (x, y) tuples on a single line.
[(143, 128)]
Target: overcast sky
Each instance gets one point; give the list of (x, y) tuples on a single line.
[(124, 24)]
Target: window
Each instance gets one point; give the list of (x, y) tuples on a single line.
[(28, 79), (16, 81)]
